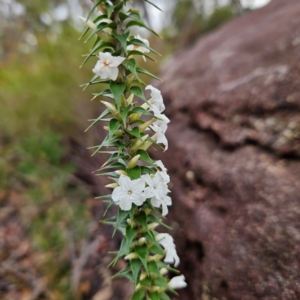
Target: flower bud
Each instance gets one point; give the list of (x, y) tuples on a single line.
[(123, 101), (143, 276), (154, 289), (88, 23), (119, 133), (147, 211), (112, 185), (145, 106), (113, 110), (106, 127), (133, 162), (121, 172), (144, 126), (133, 118), (142, 241), (129, 99), (155, 257), (131, 223), (129, 83), (152, 226), (131, 256), (146, 145), (163, 271), (137, 144), (110, 107)]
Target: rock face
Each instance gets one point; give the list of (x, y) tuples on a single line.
[(234, 103)]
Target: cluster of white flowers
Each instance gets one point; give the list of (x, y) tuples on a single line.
[(153, 187), (137, 191)]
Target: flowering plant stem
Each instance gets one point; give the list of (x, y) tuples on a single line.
[(134, 124)]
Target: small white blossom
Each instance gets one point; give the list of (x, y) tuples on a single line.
[(156, 102), (168, 243), (160, 127), (139, 48), (178, 282), (107, 66), (157, 190), (164, 174), (128, 192)]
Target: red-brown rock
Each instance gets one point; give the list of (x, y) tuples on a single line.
[(234, 103)]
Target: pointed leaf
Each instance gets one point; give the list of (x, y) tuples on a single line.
[(142, 219), (138, 295), (122, 38), (143, 71), (142, 252), (117, 89), (142, 44), (134, 173), (136, 90), (136, 265), (145, 157)]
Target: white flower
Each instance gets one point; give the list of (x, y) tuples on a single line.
[(165, 176), (128, 192), (157, 190), (139, 48), (156, 102), (107, 66), (168, 243), (160, 127), (178, 282)]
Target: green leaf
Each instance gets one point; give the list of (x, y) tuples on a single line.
[(131, 66), (153, 268), (130, 234), (136, 52), (154, 295), (122, 215), (117, 89), (98, 46), (122, 38), (140, 24), (113, 125), (142, 219), (97, 2), (164, 296), (145, 157), (138, 295), (136, 90), (134, 173), (125, 270), (132, 211), (143, 71), (147, 170), (153, 219), (142, 44), (146, 282), (142, 252), (124, 112), (104, 114), (156, 249), (135, 268), (135, 132), (111, 202), (153, 4), (162, 282), (100, 27), (141, 111), (110, 9), (123, 16)]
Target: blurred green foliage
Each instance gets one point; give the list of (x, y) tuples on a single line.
[(40, 103)]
